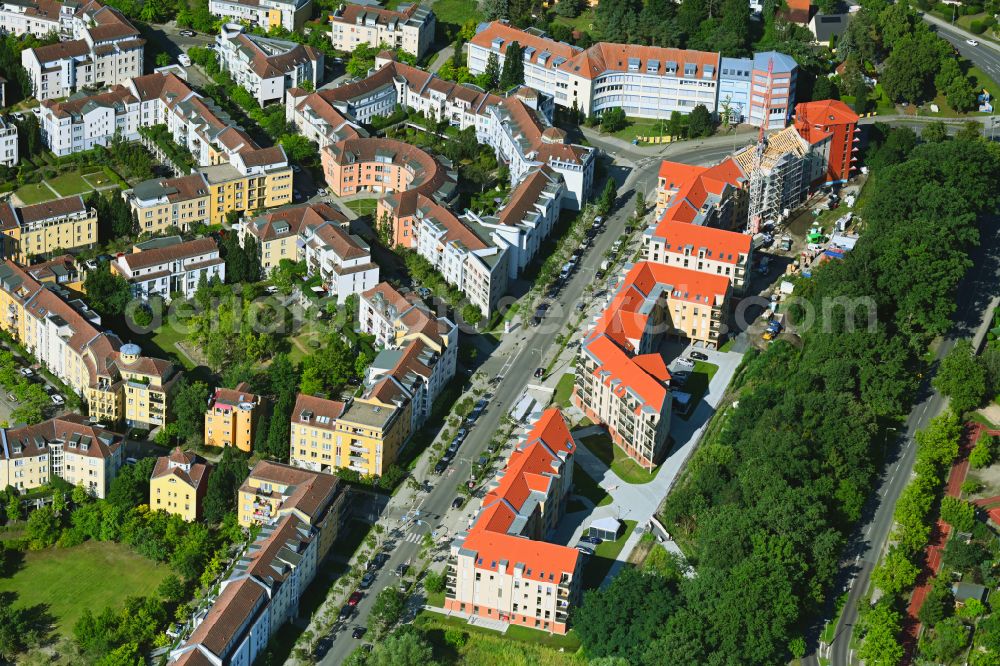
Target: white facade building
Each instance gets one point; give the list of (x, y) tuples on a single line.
[(166, 266), (36, 17), (342, 260), (289, 14), (410, 27), (106, 50), (8, 143), (267, 67)]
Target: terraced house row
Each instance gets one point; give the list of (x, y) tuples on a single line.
[(38, 230), (232, 172), (115, 381)]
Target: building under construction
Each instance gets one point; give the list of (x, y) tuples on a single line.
[(787, 167)]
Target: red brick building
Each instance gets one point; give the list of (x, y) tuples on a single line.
[(831, 128)]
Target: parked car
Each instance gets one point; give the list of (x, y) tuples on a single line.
[(699, 356), (592, 539), (322, 192), (440, 467), (188, 33), (457, 503), (26, 372), (539, 372), (12, 398), (685, 362), (184, 59), (367, 580), (402, 569), (358, 632), (131, 461), (380, 559), (585, 551), (346, 612), (355, 599), (57, 399)]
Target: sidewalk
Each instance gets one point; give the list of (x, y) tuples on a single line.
[(982, 39)]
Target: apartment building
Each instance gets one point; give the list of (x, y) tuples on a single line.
[(164, 203), (644, 81), (420, 350), (409, 27), (831, 129), (106, 50), (746, 83), (523, 139), (84, 122), (233, 417), (274, 491), (289, 14), (384, 165), (178, 484), (526, 220), (706, 196), (342, 260), (117, 383), (703, 249), (500, 569), (300, 514), (8, 141), (62, 270), (80, 454), (622, 380), (164, 267), (363, 435), (264, 66), (41, 229), (277, 232), (37, 17)]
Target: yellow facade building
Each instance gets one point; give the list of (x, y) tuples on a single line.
[(273, 491), (116, 381), (40, 230), (364, 435), (231, 188), (162, 203), (232, 417), (178, 485)]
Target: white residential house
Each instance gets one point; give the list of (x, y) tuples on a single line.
[(267, 67), (8, 143), (36, 17), (289, 14), (342, 260), (409, 27), (166, 266)]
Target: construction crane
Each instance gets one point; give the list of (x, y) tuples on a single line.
[(756, 207)]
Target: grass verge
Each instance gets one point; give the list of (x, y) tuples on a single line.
[(585, 486), (564, 389), (604, 557), (362, 206), (434, 623), (627, 469)]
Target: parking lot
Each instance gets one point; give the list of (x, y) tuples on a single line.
[(9, 402)]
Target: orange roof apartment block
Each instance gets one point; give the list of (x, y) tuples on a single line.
[(233, 416), (831, 128), (622, 381), (500, 568)]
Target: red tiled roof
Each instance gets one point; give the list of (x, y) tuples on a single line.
[(333, 409), (719, 244)]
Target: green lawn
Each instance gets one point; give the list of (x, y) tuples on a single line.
[(93, 575), (36, 193), (362, 206), (697, 383), (69, 184), (564, 389), (604, 556), (456, 12), (585, 486), (584, 22), (519, 645), (627, 469), (640, 127)]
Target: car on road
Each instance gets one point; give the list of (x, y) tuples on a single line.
[(187, 33), (26, 372), (367, 580), (322, 192), (972, 42), (402, 569), (685, 362), (457, 503), (698, 356), (592, 539), (131, 461), (355, 598), (296, 168), (57, 399), (358, 632), (539, 372), (380, 559), (346, 612), (441, 466), (184, 59)]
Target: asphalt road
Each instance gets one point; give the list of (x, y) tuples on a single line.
[(516, 372), (985, 56), (972, 300)]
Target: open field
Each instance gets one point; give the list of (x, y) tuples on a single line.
[(93, 575)]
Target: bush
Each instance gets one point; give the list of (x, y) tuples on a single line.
[(977, 27), (455, 637)]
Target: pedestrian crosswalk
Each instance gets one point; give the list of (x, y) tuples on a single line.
[(413, 537)]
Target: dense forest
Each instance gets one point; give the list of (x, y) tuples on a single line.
[(766, 506)]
